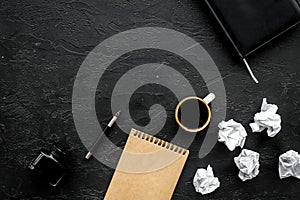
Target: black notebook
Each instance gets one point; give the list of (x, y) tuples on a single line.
[(250, 24)]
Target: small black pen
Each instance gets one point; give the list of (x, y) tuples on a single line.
[(107, 128)]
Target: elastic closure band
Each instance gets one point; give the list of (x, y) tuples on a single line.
[(250, 71)]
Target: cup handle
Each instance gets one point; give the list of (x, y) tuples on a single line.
[(209, 98)]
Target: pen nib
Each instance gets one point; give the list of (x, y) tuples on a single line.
[(118, 113)]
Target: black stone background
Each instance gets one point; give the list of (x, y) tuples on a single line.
[(42, 45)]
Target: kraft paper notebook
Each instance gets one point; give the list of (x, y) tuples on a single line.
[(149, 168)]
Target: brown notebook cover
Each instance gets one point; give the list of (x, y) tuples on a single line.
[(149, 168)]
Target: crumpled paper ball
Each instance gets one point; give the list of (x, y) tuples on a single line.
[(204, 181), (289, 164), (267, 119), (248, 164), (232, 133)]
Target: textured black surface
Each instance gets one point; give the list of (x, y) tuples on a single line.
[(42, 45)]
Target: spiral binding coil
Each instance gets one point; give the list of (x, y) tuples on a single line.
[(158, 142)]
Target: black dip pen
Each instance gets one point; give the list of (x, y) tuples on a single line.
[(107, 128)]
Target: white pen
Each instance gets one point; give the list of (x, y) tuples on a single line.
[(107, 128)]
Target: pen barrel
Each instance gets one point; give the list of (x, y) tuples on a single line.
[(107, 128), (94, 146)]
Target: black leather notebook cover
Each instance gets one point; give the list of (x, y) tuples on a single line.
[(249, 24)]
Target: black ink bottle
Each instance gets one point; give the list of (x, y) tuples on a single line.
[(50, 164)]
